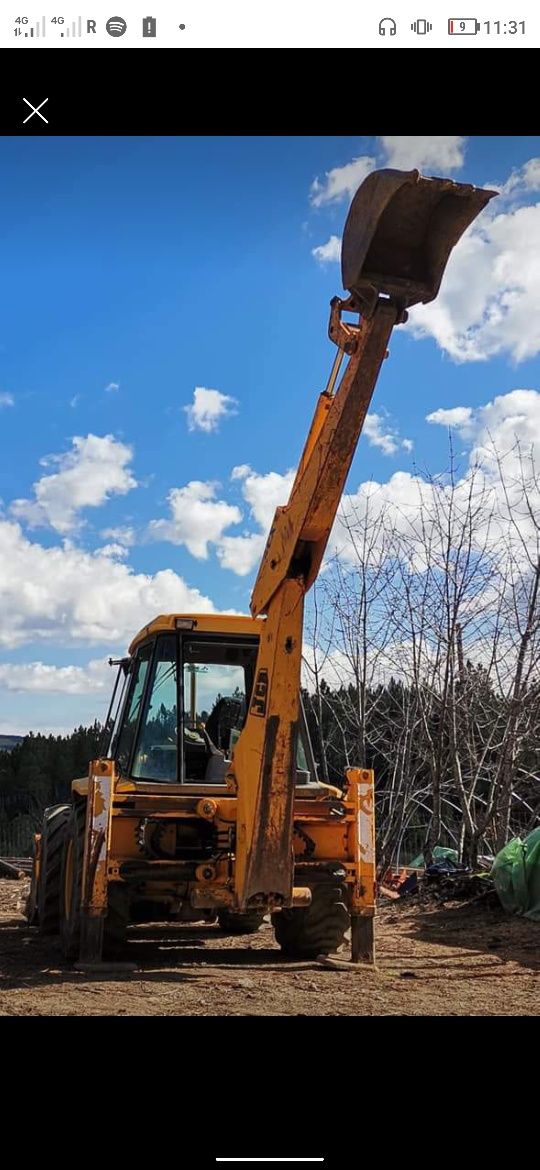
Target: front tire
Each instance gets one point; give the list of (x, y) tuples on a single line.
[(317, 929)]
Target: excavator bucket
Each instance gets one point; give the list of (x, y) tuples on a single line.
[(399, 233)]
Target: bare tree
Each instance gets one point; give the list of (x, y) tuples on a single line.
[(425, 647)]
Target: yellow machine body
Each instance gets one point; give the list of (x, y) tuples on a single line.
[(171, 821)]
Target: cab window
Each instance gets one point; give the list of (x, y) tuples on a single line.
[(139, 670), (156, 752), (217, 676)]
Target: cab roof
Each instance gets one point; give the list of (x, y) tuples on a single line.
[(204, 623)]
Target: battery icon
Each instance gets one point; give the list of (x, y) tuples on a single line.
[(463, 27), (149, 26)]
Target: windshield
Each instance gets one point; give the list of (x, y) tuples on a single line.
[(197, 684)]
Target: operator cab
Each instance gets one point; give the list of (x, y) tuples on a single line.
[(183, 703)]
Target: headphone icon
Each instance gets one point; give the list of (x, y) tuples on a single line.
[(387, 21)]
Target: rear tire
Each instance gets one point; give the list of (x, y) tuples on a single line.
[(318, 929), (43, 905), (237, 922), (114, 931)]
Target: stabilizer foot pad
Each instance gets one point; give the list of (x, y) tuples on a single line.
[(343, 964)]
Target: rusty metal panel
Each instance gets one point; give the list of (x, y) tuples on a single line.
[(399, 233), (361, 795), (97, 837), (302, 528), (264, 762)]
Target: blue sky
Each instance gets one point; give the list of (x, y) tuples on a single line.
[(136, 270)]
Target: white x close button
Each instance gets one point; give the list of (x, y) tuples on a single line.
[(35, 110)]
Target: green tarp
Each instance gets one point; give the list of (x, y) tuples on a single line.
[(516, 873), (440, 853)]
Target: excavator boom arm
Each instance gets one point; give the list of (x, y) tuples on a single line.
[(399, 234), (300, 531)]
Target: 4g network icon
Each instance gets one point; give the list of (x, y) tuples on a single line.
[(115, 26), (59, 26)]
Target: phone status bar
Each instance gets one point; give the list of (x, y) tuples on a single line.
[(244, 25), (63, 28)]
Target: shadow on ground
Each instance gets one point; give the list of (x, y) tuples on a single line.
[(481, 926)]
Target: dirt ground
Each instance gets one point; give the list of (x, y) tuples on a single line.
[(432, 959)]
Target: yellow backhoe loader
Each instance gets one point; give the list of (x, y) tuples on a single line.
[(206, 803)]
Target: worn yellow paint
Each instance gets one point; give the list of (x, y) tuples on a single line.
[(271, 861), (361, 796), (263, 768), (116, 809), (206, 623), (308, 516), (206, 808), (264, 763), (97, 842)]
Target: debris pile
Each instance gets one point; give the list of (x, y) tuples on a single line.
[(444, 880)]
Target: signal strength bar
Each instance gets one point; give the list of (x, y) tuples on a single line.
[(35, 30), (76, 29)]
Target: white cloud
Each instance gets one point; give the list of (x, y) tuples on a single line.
[(341, 182), (380, 434), (37, 677), (241, 554), (531, 174), (122, 534), (240, 471), (425, 152), (489, 303), (263, 494), (333, 666), (520, 182), (411, 520), (443, 151), (208, 408), (456, 416), (68, 596), (73, 402), (507, 426), (6, 399), (116, 551), (197, 518), (112, 387), (95, 469), (509, 417), (428, 151), (329, 252)]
